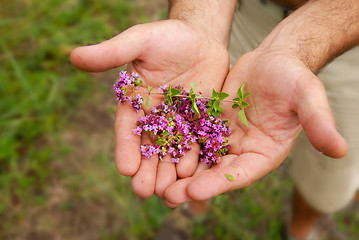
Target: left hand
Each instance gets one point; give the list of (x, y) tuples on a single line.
[(285, 96)]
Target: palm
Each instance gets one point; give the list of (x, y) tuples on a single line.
[(280, 104), (274, 123), (165, 52), (176, 53)]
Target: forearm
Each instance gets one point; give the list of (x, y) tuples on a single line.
[(318, 31), (212, 16)]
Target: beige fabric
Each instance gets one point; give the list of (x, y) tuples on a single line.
[(327, 184)]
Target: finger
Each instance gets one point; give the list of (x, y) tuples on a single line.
[(239, 172), (201, 167), (112, 53), (166, 175), (189, 162), (317, 119), (143, 182), (169, 204), (176, 193), (127, 153)]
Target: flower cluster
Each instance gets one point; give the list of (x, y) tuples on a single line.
[(124, 84), (176, 126), (176, 123)]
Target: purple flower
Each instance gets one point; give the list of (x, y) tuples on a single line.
[(174, 127), (163, 88), (137, 102)]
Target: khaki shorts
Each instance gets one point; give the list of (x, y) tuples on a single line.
[(327, 184)]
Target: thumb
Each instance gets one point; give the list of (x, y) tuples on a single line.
[(317, 119), (112, 53)]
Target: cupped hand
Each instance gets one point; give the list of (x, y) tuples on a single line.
[(285, 97), (170, 52)]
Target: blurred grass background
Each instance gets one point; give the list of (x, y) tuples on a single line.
[(57, 177)]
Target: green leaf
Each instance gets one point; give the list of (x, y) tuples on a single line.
[(169, 92), (149, 88), (140, 84), (192, 96), (229, 177), (246, 95), (245, 104), (235, 99), (241, 90), (159, 142), (218, 107), (224, 121), (195, 108), (242, 87), (148, 102), (169, 99), (166, 133), (214, 94), (242, 117), (209, 109), (175, 91), (222, 95), (235, 105), (215, 113)]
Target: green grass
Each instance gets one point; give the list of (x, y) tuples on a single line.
[(40, 89), (57, 176), (252, 213)]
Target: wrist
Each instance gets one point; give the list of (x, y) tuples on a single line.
[(213, 17), (317, 32), (291, 38)]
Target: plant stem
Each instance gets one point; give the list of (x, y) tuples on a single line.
[(197, 97)]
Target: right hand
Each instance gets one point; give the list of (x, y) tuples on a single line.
[(171, 52)]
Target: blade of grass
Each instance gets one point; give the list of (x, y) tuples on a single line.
[(19, 73)]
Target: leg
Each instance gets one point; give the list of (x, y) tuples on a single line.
[(326, 184), (198, 207), (304, 217), (179, 223)]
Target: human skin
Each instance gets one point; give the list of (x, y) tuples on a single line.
[(286, 96), (173, 52), (192, 46)]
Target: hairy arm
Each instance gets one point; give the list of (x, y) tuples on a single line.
[(286, 97), (318, 31), (212, 16)]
